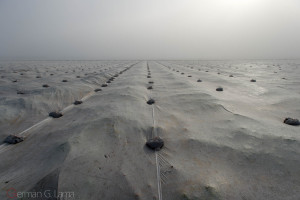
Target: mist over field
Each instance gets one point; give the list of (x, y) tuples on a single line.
[(158, 29)]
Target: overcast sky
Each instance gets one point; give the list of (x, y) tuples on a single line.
[(149, 29)]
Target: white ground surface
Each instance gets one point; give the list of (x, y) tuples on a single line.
[(218, 145)]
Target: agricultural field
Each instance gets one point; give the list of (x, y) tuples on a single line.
[(181, 130)]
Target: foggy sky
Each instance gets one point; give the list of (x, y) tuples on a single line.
[(149, 29)]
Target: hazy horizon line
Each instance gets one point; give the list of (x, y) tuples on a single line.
[(229, 59)]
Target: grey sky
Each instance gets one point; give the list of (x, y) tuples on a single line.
[(149, 29)]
